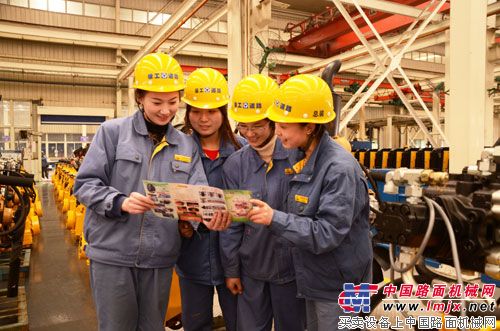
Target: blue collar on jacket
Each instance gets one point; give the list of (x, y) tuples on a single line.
[(172, 136), (279, 153), (296, 155)]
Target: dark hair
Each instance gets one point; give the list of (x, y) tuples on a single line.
[(319, 129), (139, 94), (226, 132)]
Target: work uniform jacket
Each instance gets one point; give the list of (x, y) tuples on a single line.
[(200, 258), (120, 157), (248, 248), (326, 218)]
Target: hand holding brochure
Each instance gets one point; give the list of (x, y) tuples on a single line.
[(197, 202)]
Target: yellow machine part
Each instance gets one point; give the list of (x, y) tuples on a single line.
[(70, 219), (385, 156), (372, 159), (27, 237), (446, 160), (79, 216), (174, 302), (65, 205), (399, 156), (362, 157), (413, 157), (35, 225), (38, 208), (81, 249), (427, 159)]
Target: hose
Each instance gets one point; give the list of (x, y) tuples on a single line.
[(423, 245)]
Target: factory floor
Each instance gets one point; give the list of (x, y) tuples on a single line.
[(58, 291)]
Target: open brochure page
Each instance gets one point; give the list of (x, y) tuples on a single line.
[(238, 204), (196, 202)]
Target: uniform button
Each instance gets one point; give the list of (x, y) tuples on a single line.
[(137, 157), (176, 166), (301, 208), (109, 205)]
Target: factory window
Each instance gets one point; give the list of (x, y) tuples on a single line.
[(70, 147), (56, 151), (5, 113), (195, 22), (214, 27), (222, 27), (155, 18), (38, 4), (107, 12), (22, 114), (57, 137), (187, 24), (58, 6), (73, 7), (4, 1), (92, 10), (19, 3), (165, 17), (140, 16), (125, 14)]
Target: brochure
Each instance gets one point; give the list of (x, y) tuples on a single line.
[(196, 202)]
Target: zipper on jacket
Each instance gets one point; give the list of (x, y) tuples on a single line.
[(147, 178)]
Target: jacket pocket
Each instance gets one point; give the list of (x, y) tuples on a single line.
[(181, 171), (126, 169), (126, 153)]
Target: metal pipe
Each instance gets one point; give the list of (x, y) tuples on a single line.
[(60, 60), (113, 85)]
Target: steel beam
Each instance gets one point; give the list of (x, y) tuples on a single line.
[(386, 25), (387, 7), (214, 18), (334, 29), (173, 24), (37, 68), (394, 64), (360, 56)]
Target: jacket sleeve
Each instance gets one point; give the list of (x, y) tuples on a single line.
[(230, 239), (91, 186), (331, 222)]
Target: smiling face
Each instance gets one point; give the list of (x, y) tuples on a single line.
[(293, 135), (206, 122), (160, 107), (256, 133)]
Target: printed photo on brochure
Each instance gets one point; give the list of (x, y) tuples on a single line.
[(196, 202)]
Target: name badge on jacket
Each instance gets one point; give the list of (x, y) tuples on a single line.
[(182, 158)]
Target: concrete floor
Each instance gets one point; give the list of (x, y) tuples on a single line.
[(58, 291)]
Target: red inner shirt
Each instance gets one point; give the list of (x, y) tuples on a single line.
[(211, 154)]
